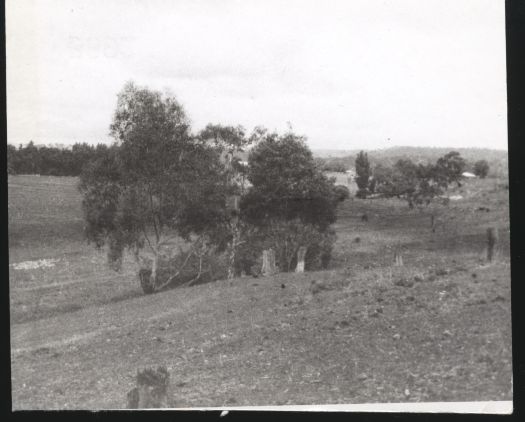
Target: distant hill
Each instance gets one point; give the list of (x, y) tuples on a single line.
[(333, 153), (497, 159)]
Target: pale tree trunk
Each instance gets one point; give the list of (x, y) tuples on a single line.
[(233, 247), (154, 268), (398, 259), (301, 253), (268, 266)]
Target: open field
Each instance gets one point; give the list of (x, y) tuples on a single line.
[(437, 329)]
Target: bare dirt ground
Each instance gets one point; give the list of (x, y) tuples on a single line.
[(437, 329)]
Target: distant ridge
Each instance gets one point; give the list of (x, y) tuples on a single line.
[(395, 150)]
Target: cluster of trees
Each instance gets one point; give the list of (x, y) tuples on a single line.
[(418, 184), (159, 182), (476, 158), (52, 161)]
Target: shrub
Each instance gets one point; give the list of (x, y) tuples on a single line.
[(481, 168), (342, 193)]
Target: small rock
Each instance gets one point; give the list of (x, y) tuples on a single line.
[(362, 377), (407, 392), (499, 298), (230, 311), (282, 286), (379, 310), (447, 333), (396, 336), (418, 278)]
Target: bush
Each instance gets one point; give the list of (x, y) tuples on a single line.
[(342, 193), (213, 268), (481, 168), (286, 239), (319, 252)]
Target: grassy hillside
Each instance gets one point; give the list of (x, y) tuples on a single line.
[(436, 329)]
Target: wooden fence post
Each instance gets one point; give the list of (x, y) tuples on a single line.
[(492, 240), (151, 391), (301, 253)]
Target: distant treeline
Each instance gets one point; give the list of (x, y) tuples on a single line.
[(497, 160), (52, 161)]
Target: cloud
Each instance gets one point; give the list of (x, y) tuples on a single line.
[(346, 74)]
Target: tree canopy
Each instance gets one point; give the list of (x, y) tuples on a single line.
[(481, 168), (287, 184), (158, 181)]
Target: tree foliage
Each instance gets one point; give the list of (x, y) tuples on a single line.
[(287, 184), (418, 184), (362, 168), (451, 166), (481, 168), (52, 161), (158, 181), (290, 204)]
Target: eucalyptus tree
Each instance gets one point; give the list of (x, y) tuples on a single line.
[(156, 183)]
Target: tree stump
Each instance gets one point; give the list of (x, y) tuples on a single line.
[(492, 240), (145, 281), (301, 253), (268, 266), (151, 391)]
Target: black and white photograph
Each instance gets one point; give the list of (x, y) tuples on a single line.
[(258, 204)]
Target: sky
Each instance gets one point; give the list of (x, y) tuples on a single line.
[(346, 74)]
